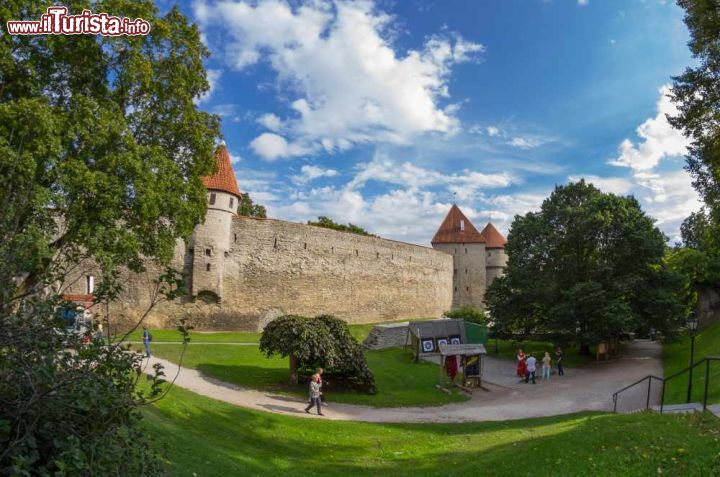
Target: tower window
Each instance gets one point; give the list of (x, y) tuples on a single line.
[(208, 252), (207, 267), (462, 226), (466, 271), (377, 254), (455, 251), (212, 198), (467, 288), (235, 239), (465, 250), (455, 288), (455, 271), (357, 254), (275, 243), (89, 284), (232, 202)]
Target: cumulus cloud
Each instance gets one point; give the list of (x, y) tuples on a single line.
[(351, 85), (658, 139), (526, 142), (614, 185), (493, 131), (309, 173)]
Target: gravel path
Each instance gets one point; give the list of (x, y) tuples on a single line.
[(587, 388)]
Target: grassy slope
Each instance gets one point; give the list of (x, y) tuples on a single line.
[(204, 437), (676, 357), (400, 382)]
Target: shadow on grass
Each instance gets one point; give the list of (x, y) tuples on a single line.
[(206, 437)]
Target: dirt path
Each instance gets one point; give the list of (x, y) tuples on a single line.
[(588, 388)]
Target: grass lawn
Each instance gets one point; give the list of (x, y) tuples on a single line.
[(508, 349), (400, 382), (204, 437), (676, 357)]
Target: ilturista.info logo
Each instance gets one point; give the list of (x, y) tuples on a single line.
[(57, 21)]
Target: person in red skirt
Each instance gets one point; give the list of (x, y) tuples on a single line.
[(521, 364)]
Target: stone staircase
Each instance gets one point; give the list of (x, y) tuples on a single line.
[(391, 335)]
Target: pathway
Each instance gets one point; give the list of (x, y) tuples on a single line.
[(588, 388)]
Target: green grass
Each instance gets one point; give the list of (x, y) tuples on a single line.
[(676, 357), (204, 437), (400, 381), (509, 348)]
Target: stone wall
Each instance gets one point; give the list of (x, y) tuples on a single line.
[(469, 272), (708, 306), (272, 267)]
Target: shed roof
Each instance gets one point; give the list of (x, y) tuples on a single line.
[(224, 179), (462, 349)]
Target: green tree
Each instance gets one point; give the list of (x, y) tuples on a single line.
[(468, 313), (328, 223), (585, 268), (323, 342), (247, 208), (697, 94), (102, 147)]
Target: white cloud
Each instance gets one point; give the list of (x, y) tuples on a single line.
[(614, 185), (582, 3), (350, 84), (658, 139), (270, 121), (309, 173), (493, 131), (213, 77), (526, 142)]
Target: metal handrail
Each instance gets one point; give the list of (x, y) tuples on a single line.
[(706, 360), (647, 404)]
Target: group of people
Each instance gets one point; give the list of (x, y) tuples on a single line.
[(527, 365), (316, 394)]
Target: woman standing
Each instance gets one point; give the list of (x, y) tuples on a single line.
[(547, 360), (521, 365)]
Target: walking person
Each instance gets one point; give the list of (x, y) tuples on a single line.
[(147, 339), (319, 372), (559, 361), (531, 368), (315, 394), (546, 365)]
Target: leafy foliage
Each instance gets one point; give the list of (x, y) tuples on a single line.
[(468, 313), (323, 342), (102, 148), (247, 208), (586, 267), (328, 223)]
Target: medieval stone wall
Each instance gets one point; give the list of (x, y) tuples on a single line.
[(469, 272), (272, 267)]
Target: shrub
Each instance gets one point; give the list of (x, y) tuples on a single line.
[(325, 342), (468, 313)]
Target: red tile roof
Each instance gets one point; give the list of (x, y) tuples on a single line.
[(224, 179), (85, 299), (493, 238), (450, 230)]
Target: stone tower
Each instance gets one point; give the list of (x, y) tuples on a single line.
[(211, 242), (459, 237), (496, 260), (477, 258)]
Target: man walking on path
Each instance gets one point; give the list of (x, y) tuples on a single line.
[(531, 368), (558, 358), (147, 338)]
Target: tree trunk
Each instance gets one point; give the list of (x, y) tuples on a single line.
[(584, 349), (293, 370)]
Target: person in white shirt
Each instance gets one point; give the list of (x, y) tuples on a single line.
[(531, 368)]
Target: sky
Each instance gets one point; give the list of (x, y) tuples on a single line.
[(383, 113)]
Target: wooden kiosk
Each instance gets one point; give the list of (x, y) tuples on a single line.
[(471, 361)]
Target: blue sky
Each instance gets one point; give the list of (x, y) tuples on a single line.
[(383, 113)]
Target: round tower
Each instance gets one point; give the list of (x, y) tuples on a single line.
[(211, 244), (496, 258)]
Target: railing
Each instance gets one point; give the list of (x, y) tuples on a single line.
[(664, 381), (706, 360), (647, 378)]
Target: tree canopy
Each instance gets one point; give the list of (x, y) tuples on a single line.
[(323, 341), (102, 147), (468, 313), (585, 268), (328, 223), (247, 208)]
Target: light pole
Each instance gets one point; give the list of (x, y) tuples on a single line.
[(692, 324)]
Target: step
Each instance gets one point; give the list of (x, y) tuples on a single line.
[(680, 408)]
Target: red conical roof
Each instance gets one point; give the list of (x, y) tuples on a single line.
[(456, 228), (493, 238), (224, 179)]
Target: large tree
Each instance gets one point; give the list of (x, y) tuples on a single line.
[(102, 147), (585, 268)]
